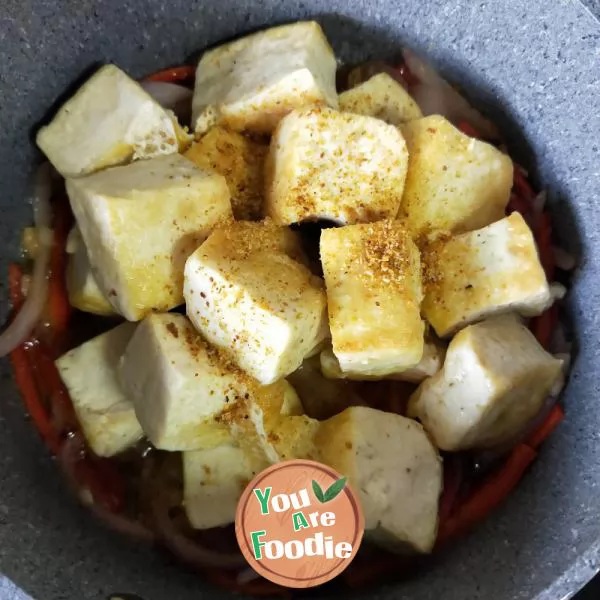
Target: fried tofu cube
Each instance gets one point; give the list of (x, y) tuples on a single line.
[(455, 183), (382, 97), (430, 364), (494, 381), (139, 224), (110, 120), (294, 437), (241, 161), (213, 482), (373, 280), (188, 395), (178, 384), (82, 287), (214, 479), (248, 296), (394, 467), (251, 83), (478, 274), (104, 411), (342, 167)]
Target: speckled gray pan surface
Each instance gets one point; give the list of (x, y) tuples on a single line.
[(533, 64)]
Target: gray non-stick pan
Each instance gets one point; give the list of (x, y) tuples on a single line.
[(531, 65)]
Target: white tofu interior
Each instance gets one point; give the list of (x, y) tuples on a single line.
[(245, 294), (395, 469), (141, 222), (494, 381), (104, 411), (482, 273), (341, 167), (109, 121), (251, 83), (373, 279)]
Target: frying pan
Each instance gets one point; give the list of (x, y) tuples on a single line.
[(532, 65)]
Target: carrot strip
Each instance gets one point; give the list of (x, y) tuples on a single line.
[(53, 389), (543, 326), (103, 482), (543, 237), (407, 75), (552, 421), (31, 398), (489, 495), (183, 74), (468, 129), (521, 185), (58, 310), (519, 204), (15, 280), (23, 370)]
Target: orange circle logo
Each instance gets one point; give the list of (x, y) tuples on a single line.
[(299, 524)]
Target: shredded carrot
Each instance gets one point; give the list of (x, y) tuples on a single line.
[(38, 379), (519, 204), (407, 75), (183, 74), (31, 398), (23, 370), (543, 326), (103, 482), (492, 492), (53, 389), (551, 422), (521, 185), (543, 237), (468, 129), (58, 311)]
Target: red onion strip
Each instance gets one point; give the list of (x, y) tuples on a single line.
[(190, 551), (71, 452), (435, 95), (26, 319), (171, 96)]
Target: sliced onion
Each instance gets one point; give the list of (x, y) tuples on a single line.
[(190, 551), (557, 290), (172, 97), (26, 319), (539, 203), (564, 260), (435, 96), (71, 452), (559, 343)]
